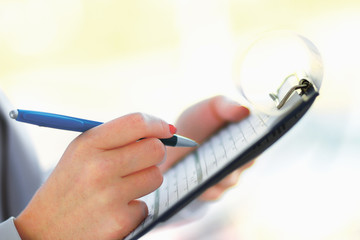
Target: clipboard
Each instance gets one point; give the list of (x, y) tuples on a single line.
[(227, 150)]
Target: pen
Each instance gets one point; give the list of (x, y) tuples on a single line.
[(57, 121)]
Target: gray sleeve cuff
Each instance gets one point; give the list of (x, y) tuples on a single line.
[(8, 230)]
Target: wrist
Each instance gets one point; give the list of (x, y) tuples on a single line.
[(31, 224), (23, 227)]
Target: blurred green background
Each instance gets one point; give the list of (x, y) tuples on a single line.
[(102, 59)]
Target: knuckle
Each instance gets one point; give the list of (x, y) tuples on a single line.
[(78, 145), (164, 126), (141, 208), (122, 226), (139, 120), (156, 177), (146, 122), (157, 149), (126, 225), (97, 172)]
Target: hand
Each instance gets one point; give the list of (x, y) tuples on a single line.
[(91, 193), (201, 121)]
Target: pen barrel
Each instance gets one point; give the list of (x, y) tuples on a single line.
[(170, 141), (51, 120)]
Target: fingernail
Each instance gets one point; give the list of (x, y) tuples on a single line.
[(246, 110), (172, 129)]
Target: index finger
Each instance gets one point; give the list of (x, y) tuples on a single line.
[(127, 129)]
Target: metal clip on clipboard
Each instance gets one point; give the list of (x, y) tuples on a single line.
[(303, 86), (286, 65)]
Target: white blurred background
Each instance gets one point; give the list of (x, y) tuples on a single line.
[(102, 59)]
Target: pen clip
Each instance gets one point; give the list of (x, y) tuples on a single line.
[(302, 84)]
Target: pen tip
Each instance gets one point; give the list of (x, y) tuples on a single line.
[(194, 144), (13, 114), (186, 142)]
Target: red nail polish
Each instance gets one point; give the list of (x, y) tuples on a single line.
[(172, 129)]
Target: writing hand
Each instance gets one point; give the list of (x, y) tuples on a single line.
[(91, 192)]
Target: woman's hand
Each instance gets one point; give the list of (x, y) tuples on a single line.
[(91, 193), (201, 121)]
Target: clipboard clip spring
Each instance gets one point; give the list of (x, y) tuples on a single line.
[(304, 85)]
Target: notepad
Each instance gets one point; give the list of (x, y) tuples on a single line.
[(227, 150)]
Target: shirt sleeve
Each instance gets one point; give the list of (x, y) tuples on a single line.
[(22, 174), (8, 230)]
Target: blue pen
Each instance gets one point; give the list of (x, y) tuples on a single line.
[(52, 120)]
